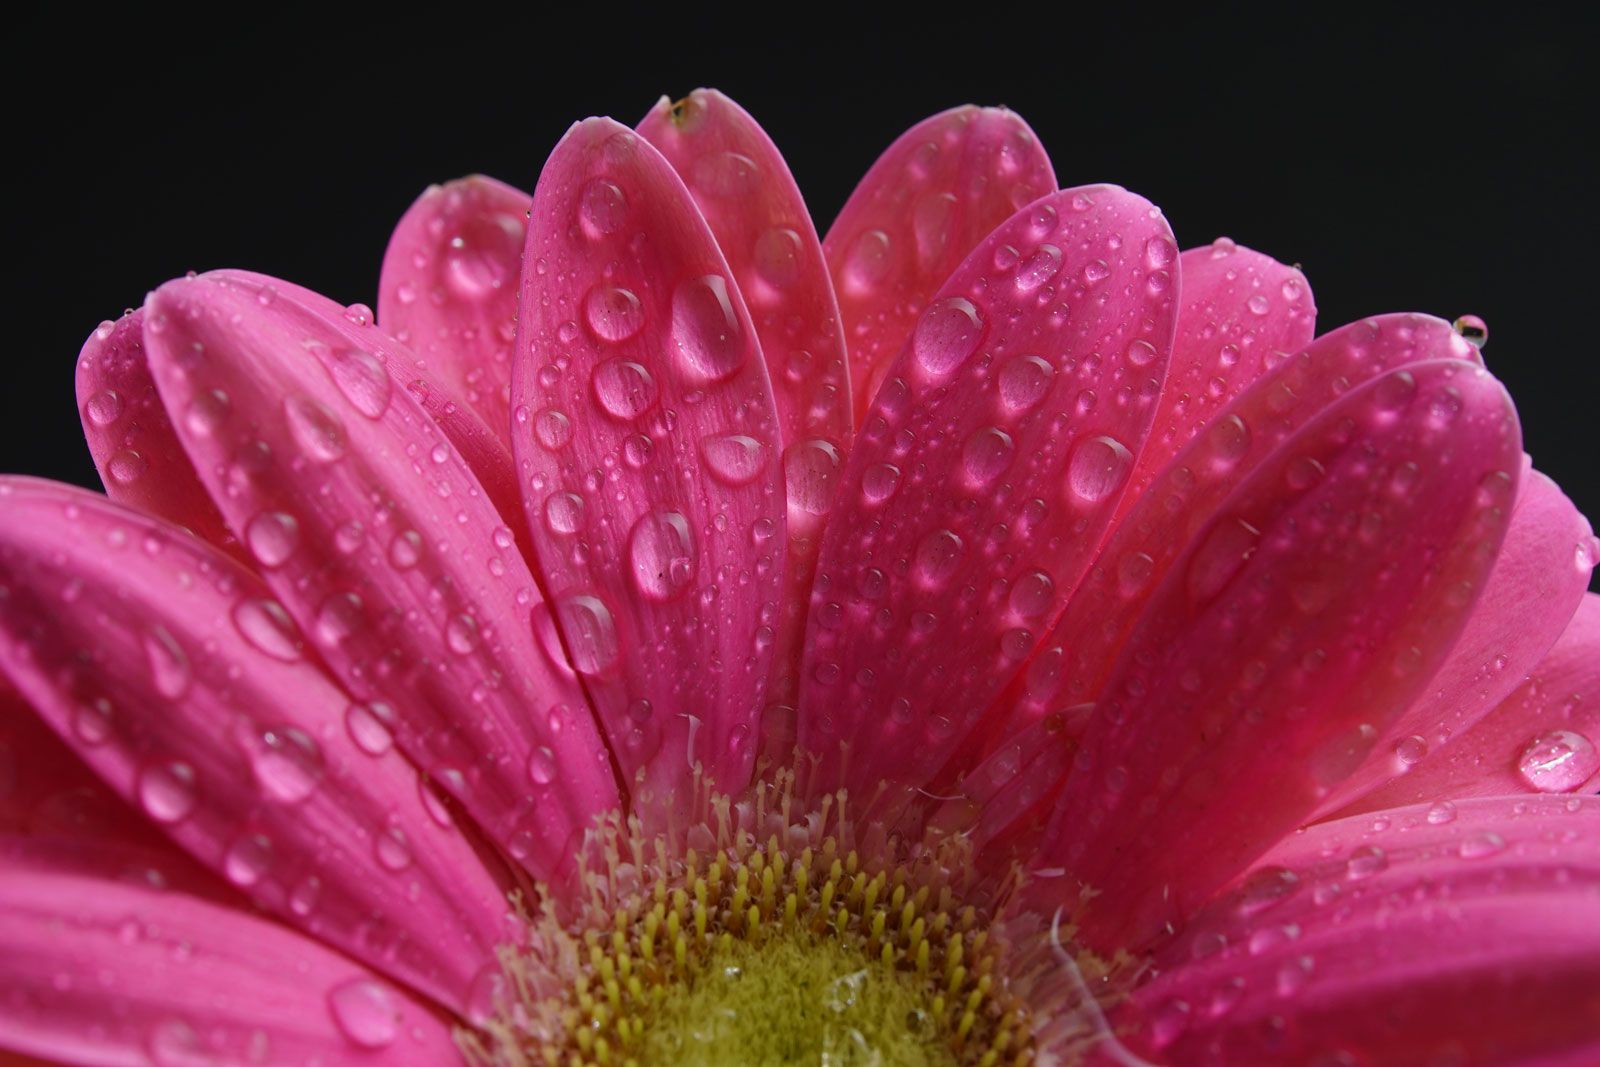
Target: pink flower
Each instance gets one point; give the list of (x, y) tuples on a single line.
[(586, 661)]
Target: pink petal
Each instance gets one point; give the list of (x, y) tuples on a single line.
[(383, 546), (1243, 313), (1543, 737), (928, 200), (986, 471), (1180, 500), (449, 289), (137, 452), (106, 959), (45, 790), (1290, 633), (743, 187), (156, 658), (1537, 583), (1420, 935), (483, 449), (651, 475)]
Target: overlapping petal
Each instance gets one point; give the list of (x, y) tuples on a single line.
[(1421, 935), (384, 547), (985, 474), (942, 187), (649, 460), (111, 956), (172, 672), (1291, 632)]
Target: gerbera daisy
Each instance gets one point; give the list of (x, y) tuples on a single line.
[(987, 635)]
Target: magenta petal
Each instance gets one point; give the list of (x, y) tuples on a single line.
[(744, 189), (159, 660), (650, 471), (1544, 737), (942, 187), (106, 959), (1242, 314), (137, 452), (449, 289), (1537, 583), (1177, 502), (384, 547), (987, 470), (1421, 935), (1284, 641)]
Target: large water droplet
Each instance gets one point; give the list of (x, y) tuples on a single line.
[(810, 470), (1558, 762), (1024, 381), (602, 209), (661, 552), (986, 456), (315, 428), (879, 481), (368, 726), (273, 537), (613, 313), (777, 257), (287, 763), (166, 790), (625, 389), (248, 859), (937, 557), (1098, 467), (591, 635), (104, 407), (552, 428), (169, 666), (705, 330), (867, 263), (563, 512), (362, 380), (1038, 268), (1033, 594), (268, 628), (946, 335), (365, 1012), (734, 459)]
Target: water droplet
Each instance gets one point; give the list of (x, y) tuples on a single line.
[(365, 1013), (777, 257), (1394, 391), (1472, 330), (867, 262), (726, 174), (461, 633), (126, 467), (930, 225), (303, 897), (1159, 252), (392, 849), (563, 512), (938, 555), (315, 428), (405, 550), (613, 313), (1410, 750), (339, 617), (542, 764), (1266, 887), (661, 552), (1032, 595), (602, 209), (810, 470), (169, 666), (207, 412), (1365, 862), (1480, 845), (1038, 268), (625, 389), (166, 790), (586, 624), (734, 459), (1098, 467), (1096, 271), (986, 455), (362, 380), (1024, 381), (879, 481), (1441, 813), (1140, 353), (1258, 304), (946, 335), (553, 429), (1558, 762), (1228, 439), (705, 330), (368, 726), (268, 628), (1133, 573), (104, 407), (1223, 551), (287, 763), (248, 859), (273, 537)]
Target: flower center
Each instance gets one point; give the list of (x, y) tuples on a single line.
[(761, 936)]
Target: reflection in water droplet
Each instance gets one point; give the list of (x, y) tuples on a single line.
[(169, 666), (602, 209), (1558, 762), (986, 455), (867, 262), (937, 557), (361, 378), (1024, 381), (268, 628), (247, 860), (272, 537)]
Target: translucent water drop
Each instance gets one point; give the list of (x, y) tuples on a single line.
[(563, 512), (542, 766), (405, 550), (1483, 844), (777, 257), (1228, 440), (553, 429), (286, 762), (272, 537), (1097, 469), (1558, 762), (867, 263), (625, 389), (811, 469), (365, 1012), (362, 380), (166, 790), (602, 209), (1032, 595), (1023, 382), (726, 174), (986, 456), (169, 666), (303, 897), (590, 633), (339, 618), (1140, 353), (1038, 268), (1159, 253), (248, 859), (948, 332), (1410, 750), (1472, 330), (878, 482), (268, 628), (613, 313), (734, 459), (207, 412), (104, 407), (931, 219), (127, 467), (461, 634), (392, 849), (1442, 812), (315, 428), (705, 331), (368, 727), (1224, 550), (662, 556), (1258, 304), (1365, 862), (937, 558), (1266, 887)]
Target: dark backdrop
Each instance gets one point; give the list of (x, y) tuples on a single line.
[(1437, 164)]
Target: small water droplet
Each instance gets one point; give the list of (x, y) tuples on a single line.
[(777, 257), (563, 512), (392, 849), (1266, 887), (169, 666), (126, 467), (248, 859), (1038, 268), (542, 764), (166, 790), (1410, 750), (811, 469), (362, 380), (1258, 304), (207, 412), (461, 634), (985, 457), (273, 537), (1365, 862), (553, 429), (368, 726), (268, 628), (104, 407), (1487, 843), (405, 550), (1472, 330), (867, 262), (286, 761), (878, 482), (365, 1013), (1441, 813), (602, 209), (1032, 595), (938, 555), (1024, 381)]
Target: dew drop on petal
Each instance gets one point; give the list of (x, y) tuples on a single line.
[(362, 380), (1097, 469), (1024, 381), (602, 209), (267, 628), (591, 635), (625, 389), (286, 762), (946, 335), (705, 331), (248, 859), (811, 468), (734, 459), (315, 428), (613, 313), (169, 665), (661, 554), (272, 537), (166, 790), (365, 1012), (1558, 762)]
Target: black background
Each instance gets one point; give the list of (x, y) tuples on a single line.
[(1431, 163)]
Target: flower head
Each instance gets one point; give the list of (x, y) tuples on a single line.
[(984, 635)]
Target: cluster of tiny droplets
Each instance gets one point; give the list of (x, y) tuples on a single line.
[(662, 908)]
